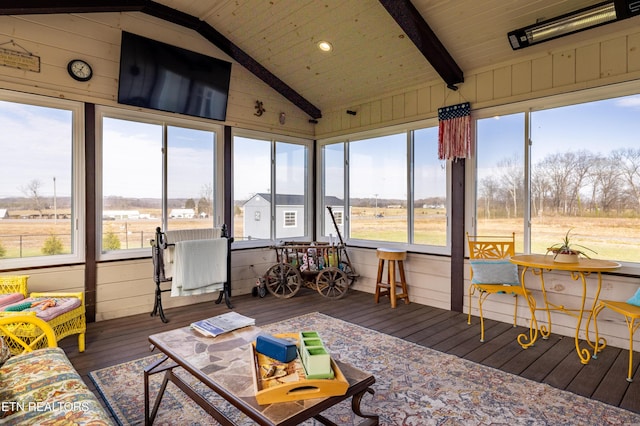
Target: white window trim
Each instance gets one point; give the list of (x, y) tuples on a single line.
[(78, 178), (403, 128), (284, 218), (271, 137), (144, 117), (532, 105)]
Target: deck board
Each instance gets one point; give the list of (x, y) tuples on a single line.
[(553, 361)]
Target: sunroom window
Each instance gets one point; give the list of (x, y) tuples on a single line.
[(579, 171), (41, 181), (397, 189), (155, 173), (270, 188)]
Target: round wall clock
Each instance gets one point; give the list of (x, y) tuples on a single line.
[(80, 70)]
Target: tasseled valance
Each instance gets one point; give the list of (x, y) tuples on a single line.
[(454, 132)]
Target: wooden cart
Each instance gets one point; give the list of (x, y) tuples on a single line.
[(321, 266)]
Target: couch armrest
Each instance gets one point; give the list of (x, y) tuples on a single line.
[(10, 325)]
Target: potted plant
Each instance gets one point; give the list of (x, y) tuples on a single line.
[(568, 252)]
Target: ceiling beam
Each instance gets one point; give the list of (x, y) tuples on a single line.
[(41, 7), (417, 29), (30, 7)]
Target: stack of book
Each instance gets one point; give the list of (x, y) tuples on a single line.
[(221, 324)]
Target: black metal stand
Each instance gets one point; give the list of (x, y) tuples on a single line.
[(226, 289), (158, 245)]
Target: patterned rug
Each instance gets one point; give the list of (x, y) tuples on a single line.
[(414, 386)]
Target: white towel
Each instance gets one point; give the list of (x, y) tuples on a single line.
[(199, 265), (173, 237)]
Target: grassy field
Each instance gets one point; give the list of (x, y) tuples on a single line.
[(611, 238)]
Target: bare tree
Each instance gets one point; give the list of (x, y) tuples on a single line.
[(512, 178), (563, 182), (487, 189), (580, 163), (540, 188), (607, 184), (628, 161), (205, 204), (32, 191)]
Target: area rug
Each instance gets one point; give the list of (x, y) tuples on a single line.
[(414, 386)]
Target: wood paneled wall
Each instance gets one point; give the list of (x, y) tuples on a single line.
[(57, 39), (125, 288), (591, 64)]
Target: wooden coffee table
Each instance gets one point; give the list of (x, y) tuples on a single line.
[(224, 364)]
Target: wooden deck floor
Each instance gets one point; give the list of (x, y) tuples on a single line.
[(553, 361)]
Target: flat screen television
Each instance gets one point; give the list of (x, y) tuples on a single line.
[(159, 76)]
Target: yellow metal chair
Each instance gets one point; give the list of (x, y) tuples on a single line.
[(506, 280), (631, 314)]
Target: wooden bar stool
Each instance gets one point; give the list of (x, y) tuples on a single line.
[(393, 257)]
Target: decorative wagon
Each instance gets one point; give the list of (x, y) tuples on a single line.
[(322, 266)]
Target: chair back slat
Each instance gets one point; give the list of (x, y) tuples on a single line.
[(491, 247)]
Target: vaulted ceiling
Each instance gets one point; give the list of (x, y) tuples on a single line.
[(379, 46)]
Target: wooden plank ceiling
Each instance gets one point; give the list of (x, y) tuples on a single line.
[(379, 46)]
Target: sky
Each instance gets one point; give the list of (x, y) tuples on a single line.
[(133, 158), (40, 135), (598, 127)]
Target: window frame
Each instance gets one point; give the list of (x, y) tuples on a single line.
[(408, 129), (528, 107), (273, 139), (78, 190), (164, 121), (294, 215)]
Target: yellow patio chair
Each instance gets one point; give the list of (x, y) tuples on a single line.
[(631, 314), (492, 272)]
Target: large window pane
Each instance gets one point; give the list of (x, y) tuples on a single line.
[(37, 205), (258, 215), (190, 177), (500, 177), (378, 188), (333, 188), (586, 177), (131, 183), (252, 188), (430, 190), (291, 184)]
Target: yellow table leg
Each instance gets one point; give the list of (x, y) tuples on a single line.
[(524, 340)]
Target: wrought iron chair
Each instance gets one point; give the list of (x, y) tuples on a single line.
[(492, 272)]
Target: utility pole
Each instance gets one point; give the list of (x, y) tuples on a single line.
[(55, 205), (376, 212)]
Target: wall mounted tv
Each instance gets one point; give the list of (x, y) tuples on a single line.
[(159, 76)]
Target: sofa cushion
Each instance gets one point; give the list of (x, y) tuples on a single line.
[(5, 351), (43, 388), (635, 299), (10, 298), (498, 271), (63, 305)]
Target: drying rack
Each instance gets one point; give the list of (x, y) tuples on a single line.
[(158, 246)]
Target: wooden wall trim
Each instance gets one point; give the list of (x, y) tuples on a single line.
[(90, 269), (457, 235), (228, 179)]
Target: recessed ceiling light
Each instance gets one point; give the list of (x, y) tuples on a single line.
[(325, 46)]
